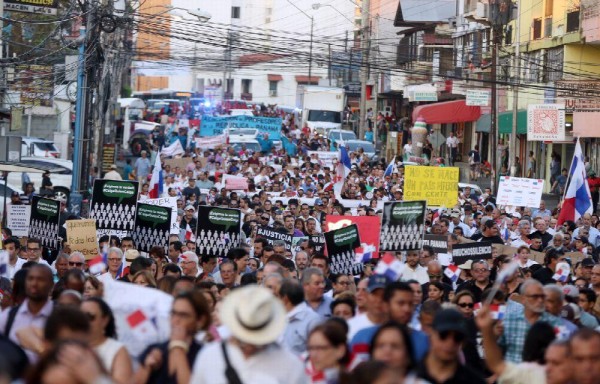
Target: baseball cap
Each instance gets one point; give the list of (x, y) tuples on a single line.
[(318, 202), (377, 282), (449, 320), (571, 291), (187, 208)]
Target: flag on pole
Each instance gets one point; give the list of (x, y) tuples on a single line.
[(345, 160), (364, 253), (156, 182), (390, 267), (390, 168), (189, 234), (577, 201), (497, 311)]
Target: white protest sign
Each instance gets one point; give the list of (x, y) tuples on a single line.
[(17, 219), (210, 142), (520, 192), (171, 202), (325, 158)]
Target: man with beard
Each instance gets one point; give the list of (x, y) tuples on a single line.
[(301, 262)]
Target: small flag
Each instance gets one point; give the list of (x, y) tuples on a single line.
[(390, 168), (578, 200), (97, 265), (390, 267), (452, 272), (156, 181), (562, 332), (496, 311), (364, 253), (563, 270), (189, 234)]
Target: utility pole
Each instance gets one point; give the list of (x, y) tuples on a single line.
[(512, 147), (312, 24), (364, 46), (494, 112), (226, 59)]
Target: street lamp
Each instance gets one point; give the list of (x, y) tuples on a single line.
[(312, 20)]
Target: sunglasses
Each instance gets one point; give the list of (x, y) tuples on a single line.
[(457, 337), (435, 276), (465, 305), (75, 264)]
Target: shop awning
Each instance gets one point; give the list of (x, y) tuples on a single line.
[(446, 112), (272, 77), (484, 124), (505, 122)]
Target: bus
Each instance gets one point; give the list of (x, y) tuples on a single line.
[(162, 94)]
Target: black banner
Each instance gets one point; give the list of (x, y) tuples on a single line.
[(218, 230), (152, 227), (341, 244), (271, 235), (471, 251), (43, 223), (113, 206), (439, 243), (402, 226)]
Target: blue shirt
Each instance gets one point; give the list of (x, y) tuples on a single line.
[(301, 320), (420, 341), (324, 309)]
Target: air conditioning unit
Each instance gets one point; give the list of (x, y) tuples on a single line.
[(272, 93)]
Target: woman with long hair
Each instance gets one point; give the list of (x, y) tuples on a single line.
[(103, 335)]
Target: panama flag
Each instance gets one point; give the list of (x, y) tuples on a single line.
[(452, 272), (563, 270), (156, 182), (97, 265), (577, 200), (364, 253), (390, 267), (345, 160), (189, 234), (497, 311), (390, 168)]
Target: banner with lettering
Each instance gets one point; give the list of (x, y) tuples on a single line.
[(272, 235), (113, 206), (152, 227), (218, 230), (471, 251), (171, 202), (436, 185), (17, 219), (43, 225), (214, 126), (402, 226), (341, 244), (368, 229)]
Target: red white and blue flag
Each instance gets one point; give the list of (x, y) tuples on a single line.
[(364, 253), (578, 200), (390, 267), (156, 182), (97, 265), (189, 234), (452, 272), (563, 270), (496, 311)]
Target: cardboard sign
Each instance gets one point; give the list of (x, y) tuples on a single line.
[(81, 236), (17, 219), (272, 235), (520, 192), (471, 251), (181, 163), (43, 225), (402, 226), (436, 185), (341, 244)]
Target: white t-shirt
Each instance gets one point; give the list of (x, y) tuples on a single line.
[(358, 323)]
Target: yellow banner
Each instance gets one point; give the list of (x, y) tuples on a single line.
[(437, 185)]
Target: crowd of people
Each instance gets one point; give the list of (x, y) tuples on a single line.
[(268, 314)]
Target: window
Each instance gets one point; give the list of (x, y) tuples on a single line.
[(246, 86), (537, 28), (235, 12), (548, 27), (573, 21), (272, 88)]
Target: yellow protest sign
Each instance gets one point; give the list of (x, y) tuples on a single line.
[(437, 185), (81, 236)]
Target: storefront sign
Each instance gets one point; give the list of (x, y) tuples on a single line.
[(546, 122), (477, 98)]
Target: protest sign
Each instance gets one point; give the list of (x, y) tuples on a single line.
[(519, 192), (319, 241), (471, 251), (325, 158), (439, 243), (214, 126), (436, 185), (341, 244), (218, 230), (81, 237), (210, 142), (402, 226), (152, 227), (271, 235), (17, 219), (182, 163), (43, 225), (171, 202), (368, 228), (113, 206), (141, 314), (235, 183)]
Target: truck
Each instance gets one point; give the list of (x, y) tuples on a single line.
[(322, 107)]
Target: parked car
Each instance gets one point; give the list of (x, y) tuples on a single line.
[(61, 174), (341, 135), (367, 146), (36, 147)]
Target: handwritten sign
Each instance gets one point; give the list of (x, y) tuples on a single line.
[(81, 236), (520, 192), (17, 219), (436, 185)]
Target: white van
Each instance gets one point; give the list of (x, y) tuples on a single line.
[(36, 147)]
